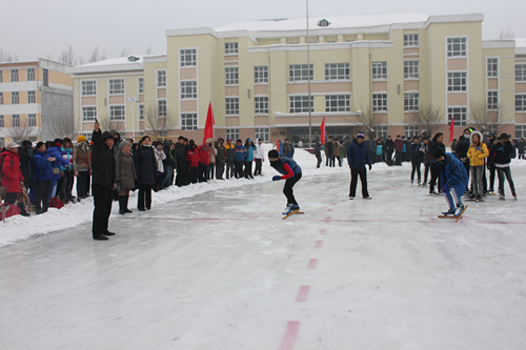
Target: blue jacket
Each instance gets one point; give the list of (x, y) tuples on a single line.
[(287, 167), (453, 172), (42, 168), (241, 153), (287, 150), (358, 155), (250, 153), (56, 152)]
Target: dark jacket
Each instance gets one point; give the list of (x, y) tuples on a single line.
[(42, 168), (398, 145), (500, 152), (221, 154), (417, 154), (180, 154), (125, 170), (329, 149), (170, 156), (288, 150), (287, 167), (26, 167), (433, 146), (388, 146), (358, 155), (462, 148), (230, 152), (102, 162), (145, 166)]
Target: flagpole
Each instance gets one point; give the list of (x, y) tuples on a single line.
[(308, 76)]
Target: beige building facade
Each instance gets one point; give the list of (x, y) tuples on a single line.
[(377, 74)]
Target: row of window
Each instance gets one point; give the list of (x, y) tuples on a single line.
[(89, 87), (14, 75), (15, 97), (15, 120)]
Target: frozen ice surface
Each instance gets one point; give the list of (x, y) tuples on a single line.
[(220, 269)]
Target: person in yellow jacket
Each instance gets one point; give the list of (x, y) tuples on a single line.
[(477, 154)]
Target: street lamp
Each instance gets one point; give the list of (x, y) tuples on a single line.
[(308, 76)]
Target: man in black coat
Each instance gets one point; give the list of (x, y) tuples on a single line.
[(103, 166), (388, 150), (182, 164), (461, 149)]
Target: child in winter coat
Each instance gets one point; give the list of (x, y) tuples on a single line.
[(477, 154), (12, 176), (192, 158)]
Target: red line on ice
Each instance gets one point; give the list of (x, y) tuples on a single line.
[(323, 232), (302, 294), (318, 244), (290, 336), (312, 264)]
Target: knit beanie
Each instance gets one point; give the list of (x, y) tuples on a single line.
[(81, 139), (123, 144), (360, 135)]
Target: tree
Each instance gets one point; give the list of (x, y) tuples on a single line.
[(97, 56), (149, 50), (157, 123), (126, 51), (61, 126), (428, 119), (21, 132), (7, 57), (68, 56), (369, 120), (507, 33), (485, 119)]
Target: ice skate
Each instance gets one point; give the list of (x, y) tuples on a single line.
[(502, 197), (288, 209), (514, 194)]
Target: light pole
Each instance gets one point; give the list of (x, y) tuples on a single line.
[(308, 76), (136, 100)]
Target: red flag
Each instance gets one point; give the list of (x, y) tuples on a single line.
[(322, 128), (209, 124), (451, 129)]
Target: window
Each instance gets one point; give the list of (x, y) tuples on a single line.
[(411, 102), (520, 72), (260, 74), (161, 78), (379, 70), (411, 130), (116, 86), (520, 103), (32, 120), (262, 133), (14, 75), (141, 85), (458, 114), (337, 71), (381, 131), (2, 142), (89, 87), (410, 40), (520, 131), (31, 97), (1, 121), (14, 98), (261, 105), (117, 113), (1, 98), (15, 120), (411, 70), (189, 121), (230, 48), (89, 113), (31, 74), (456, 81), (188, 89), (1, 77), (188, 57), (231, 76), (300, 104), (493, 67), (161, 108), (493, 100), (232, 134), (232, 106), (141, 112), (379, 102), (298, 72), (45, 77), (338, 103), (456, 47)]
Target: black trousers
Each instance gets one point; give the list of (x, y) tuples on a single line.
[(82, 184), (145, 197), (287, 189), (259, 163), (41, 200), (354, 182), (220, 170), (426, 171), (435, 174), (248, 170), (192, 175), (415, 168), (102, 199), (182, 174), (491, 177), (230, 171), (66, 185), (239, 169), (318, 161), (201, 172)]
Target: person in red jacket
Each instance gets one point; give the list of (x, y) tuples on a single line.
[(203, 160), (12, 176), (192, 157)]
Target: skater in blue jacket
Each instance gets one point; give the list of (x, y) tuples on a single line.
[(291, 172), (455, 178)]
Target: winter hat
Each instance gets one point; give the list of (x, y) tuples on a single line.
[(123, 144), (360, 135), (503, 136), (81, 139), (66, 139), (481, 137), (107, 135), (12, 145)]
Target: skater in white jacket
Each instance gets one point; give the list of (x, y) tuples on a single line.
[(259, 157)]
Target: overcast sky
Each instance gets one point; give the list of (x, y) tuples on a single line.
[(38, 28)]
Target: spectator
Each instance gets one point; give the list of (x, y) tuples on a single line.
[(358, 158), (230, 150), (168, 164), (12, 176), (66, 185), (388, 150), (82, 167), (259, 155), (192, 157), (398, 145), (43, 174), (241, 156), (220, 158), (181, 151), (125, 175), (146, 170), (287, 149), (329, 153), (212, 162), (251, 148)]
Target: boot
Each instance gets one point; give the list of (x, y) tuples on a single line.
[(125, 201), (122, 205)]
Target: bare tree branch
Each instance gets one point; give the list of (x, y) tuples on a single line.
[(507, 33), (7, 57), (428, 118), (157, 124), (22, 132), (370, 121), (125, 52), (67, 56), (485, 119)]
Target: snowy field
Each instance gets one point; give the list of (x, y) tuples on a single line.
[(213, 266)]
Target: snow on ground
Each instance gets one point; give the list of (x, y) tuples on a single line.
[(214, 266)]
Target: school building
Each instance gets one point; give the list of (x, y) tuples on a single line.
[(374, 73)]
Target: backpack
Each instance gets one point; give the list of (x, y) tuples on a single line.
[(55, 203), (8, 210)]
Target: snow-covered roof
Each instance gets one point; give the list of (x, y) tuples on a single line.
[(131, 62), (520, 46)]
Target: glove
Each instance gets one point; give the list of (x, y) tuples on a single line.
[(276, 178), (445, 188), (370, 167)]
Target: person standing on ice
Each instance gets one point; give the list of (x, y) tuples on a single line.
[(291, 172), (477, 154), (259, 156), (103, 165), (358, 158), (455, 178), (501, 152)]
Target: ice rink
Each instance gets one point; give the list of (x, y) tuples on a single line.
[(222, 270)]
